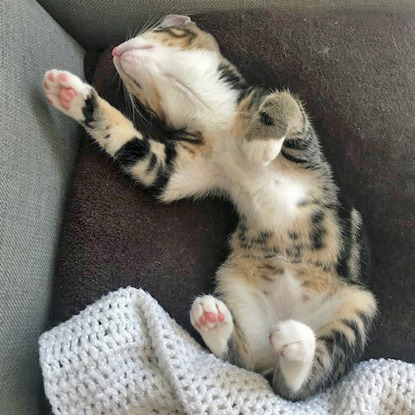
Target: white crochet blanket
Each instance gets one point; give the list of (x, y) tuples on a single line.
[(125, 355)]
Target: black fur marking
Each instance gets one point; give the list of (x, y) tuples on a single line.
[(152, 163), (232, 77), (171, 152), (294, 253), (132, 152), (357, 334), (317, 217), (257, 96), (316, 237), (323, 266), (262, 238), (293, 159), (296, 144), (265, 118), (89, 109), (367, 320), (341, 341), (108, 136), (160, 183), (293, 235), (176, 32), (233, 356), (329, 342), (272, 252), (344, 212), (192, 138)]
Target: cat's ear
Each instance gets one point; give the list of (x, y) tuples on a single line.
[(175, 20)]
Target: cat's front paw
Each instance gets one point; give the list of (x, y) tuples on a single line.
[(68, 93), (293, 341)]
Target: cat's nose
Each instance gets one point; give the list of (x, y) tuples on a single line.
[(119, 50)]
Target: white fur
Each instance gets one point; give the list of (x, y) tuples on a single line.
[(260, 153), (191, 91), (295, 343), (215, 334)]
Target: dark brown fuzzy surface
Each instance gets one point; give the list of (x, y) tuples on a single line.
[(357, 79)]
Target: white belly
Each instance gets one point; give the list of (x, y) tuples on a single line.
[(257, 311)]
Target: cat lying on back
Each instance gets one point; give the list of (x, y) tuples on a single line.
[(290, 299)]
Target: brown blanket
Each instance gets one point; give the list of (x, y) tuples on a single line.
[(357, 78)]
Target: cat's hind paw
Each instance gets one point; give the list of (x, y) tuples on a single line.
[(207, 313), (213, 320), (293, 341)]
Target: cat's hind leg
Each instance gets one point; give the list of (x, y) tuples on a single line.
[(295, 344), (310, 362)]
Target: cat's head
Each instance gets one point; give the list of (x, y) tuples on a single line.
[(176, 70)]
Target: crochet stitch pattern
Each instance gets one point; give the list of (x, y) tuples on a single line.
[(125, 355)]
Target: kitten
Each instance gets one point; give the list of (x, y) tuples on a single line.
[(291, 301)]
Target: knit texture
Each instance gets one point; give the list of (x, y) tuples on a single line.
[(125, 355)]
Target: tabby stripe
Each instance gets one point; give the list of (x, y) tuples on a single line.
[(171, 152), (231, 77), (188, 138), (367, 320), (356, 331), (173, 33), (293, 159), (316, 236), (160, 183), (317, 217), (296, 143), (152, 163), (133, 151), (344, 213)]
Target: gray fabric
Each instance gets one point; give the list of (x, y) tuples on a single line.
[(37, 151), (99, 22)]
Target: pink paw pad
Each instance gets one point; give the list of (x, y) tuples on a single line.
[(63, 77), (210, 317), (65, 95), (45, 85), (51, 77)]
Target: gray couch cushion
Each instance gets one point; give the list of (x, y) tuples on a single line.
[(97, 23), (37, 151)]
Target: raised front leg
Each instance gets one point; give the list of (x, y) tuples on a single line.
[(171, 169), (279, 126)]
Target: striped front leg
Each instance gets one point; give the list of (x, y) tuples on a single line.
[(171, 169)]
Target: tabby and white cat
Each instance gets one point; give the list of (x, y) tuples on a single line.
[(291, 301)]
